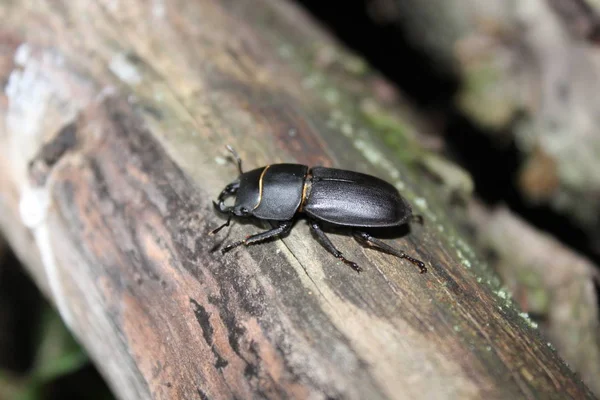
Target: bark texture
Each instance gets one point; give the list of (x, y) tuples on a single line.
[(114, 117)]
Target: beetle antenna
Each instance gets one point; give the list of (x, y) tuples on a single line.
[(237, 158), (215, 231)]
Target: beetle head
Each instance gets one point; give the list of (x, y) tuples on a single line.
[(230, 191)]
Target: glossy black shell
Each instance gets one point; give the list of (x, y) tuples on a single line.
[(273, 192), (353, 199), (340, 197)]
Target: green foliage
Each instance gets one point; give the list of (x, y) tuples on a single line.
[(57, 355)]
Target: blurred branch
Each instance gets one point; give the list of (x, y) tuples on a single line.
[(549, 281), (581, 16)]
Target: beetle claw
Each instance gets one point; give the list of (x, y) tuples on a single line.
[(355, 267), (351, 264), (420, 264)]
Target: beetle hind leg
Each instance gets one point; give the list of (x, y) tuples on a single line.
[(283, 227), (316, 228), (373, 242)]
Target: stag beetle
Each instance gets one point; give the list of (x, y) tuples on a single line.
[(278, 192)]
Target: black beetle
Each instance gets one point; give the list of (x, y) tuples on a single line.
[(278, 192)]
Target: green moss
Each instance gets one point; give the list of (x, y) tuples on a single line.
[(396, 134), (355, 65), (527, 319), (538, 298)]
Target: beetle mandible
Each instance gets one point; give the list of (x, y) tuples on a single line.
[(278, 192)]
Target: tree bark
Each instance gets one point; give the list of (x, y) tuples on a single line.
[(115, 115)]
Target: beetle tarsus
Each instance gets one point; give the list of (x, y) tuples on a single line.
[(351, 264), (420, 264), (231, 246), (378, 244)]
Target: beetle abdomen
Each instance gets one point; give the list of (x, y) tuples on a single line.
[(353, 199)]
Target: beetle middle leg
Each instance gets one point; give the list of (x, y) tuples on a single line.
[(283, 227), (389, 249), (316, 228)]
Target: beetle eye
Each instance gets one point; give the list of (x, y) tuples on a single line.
[(244, 210)]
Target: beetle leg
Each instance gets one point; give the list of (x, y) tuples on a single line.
[(316, 228), (283, 227), (388, 249), (214, 231)]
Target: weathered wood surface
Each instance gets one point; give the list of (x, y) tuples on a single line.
[(114, 117)]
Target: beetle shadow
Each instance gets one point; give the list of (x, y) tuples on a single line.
[(389, 233), (394, 232), (371, 238)]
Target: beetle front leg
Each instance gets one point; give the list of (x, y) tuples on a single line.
[(389, 249), (283, 227), (316, 228)]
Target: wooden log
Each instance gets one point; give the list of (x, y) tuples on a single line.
[(114, 118)]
